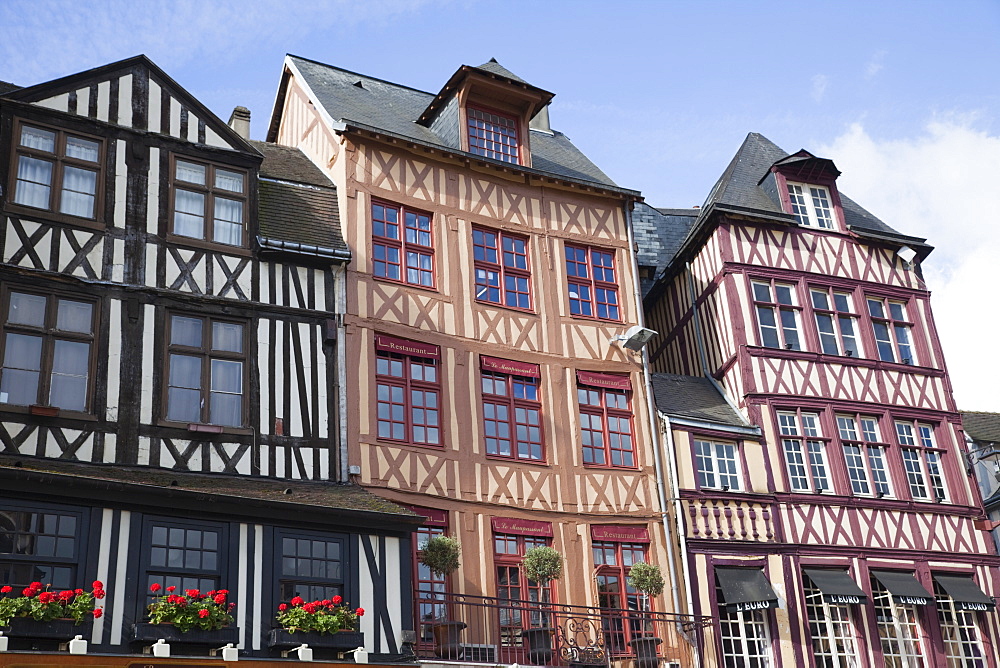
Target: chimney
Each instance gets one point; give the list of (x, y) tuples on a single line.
[(239, 120)]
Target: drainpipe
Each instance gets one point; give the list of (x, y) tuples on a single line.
[(657, 453), (340, 308)]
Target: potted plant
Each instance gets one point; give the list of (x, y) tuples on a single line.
[(541, 565), (191, 618), (646, 579), (41, 614), (326, 624), (441, 555)]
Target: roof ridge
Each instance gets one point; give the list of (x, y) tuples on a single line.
[(359, 74)]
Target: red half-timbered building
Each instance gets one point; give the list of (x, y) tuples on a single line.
[(823, 502)]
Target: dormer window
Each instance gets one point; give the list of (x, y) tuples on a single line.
[(811, 205), (493, 135)]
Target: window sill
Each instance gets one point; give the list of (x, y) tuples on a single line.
[(47, 215), (203, 430), (515, 309), (404, 284), (611, 467), (44, 411), (426, 446), (513, 460), (595, 319), (201, 244), (824, 358)]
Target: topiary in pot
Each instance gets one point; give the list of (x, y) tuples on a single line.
[(440, 554), (646, 578), (542, 564)]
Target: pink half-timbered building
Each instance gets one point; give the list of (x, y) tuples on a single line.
[(823, 502)]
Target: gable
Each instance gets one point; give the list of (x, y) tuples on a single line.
[(134, 93)]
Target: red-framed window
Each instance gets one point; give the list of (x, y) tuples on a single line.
[(402, 244), (921, 460), (606, 419), (777, 308), (804, 447), (865, 454), (493, 134), (593, 288), (408, 391), (836, 321), (513, 585), (512, 409), (892, 329), (612, 561), (812, 204), (503, 272), (432, 589)]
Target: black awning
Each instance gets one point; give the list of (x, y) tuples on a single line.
[(837, 586), (904, 588), (745, 589), (965, 592)]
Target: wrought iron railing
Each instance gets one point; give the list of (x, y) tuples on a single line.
[(479, 629)]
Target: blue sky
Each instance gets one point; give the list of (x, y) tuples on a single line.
[(904, 96)]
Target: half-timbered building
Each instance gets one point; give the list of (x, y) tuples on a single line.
[(491, 271), (982, 433), (172, 364), (823, 501)]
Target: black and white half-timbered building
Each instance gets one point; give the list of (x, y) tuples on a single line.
[(170, 300)]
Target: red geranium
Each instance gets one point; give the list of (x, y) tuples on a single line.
[(98, 612), (337, 600), (44, 605), (6, 588), (360, 612), (203, 613), (155, 587)]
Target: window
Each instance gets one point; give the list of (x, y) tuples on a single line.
[(831, 629), (57, 171), (605, 420), (493, 135), (805, 451), (408, 391), (513, 585), (511, 410), (593, 291), (864, 453), (432, 589), (206, 380), (312, 566), (717, 467), (777, 315), (503, 275), (921, 460), (892, 330), (615, 596), (743, 635), (836, 322), (208, 202), (963, 644), (183, 555), (898, 628), (414, 245), (48, 347), (39, 545), (811, 205)]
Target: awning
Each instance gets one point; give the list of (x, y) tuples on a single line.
[(904, 588), (837, 586), (745, 589), (965, 592)]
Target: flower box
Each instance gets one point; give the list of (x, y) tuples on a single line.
[(342, 640), (147, 634), (27, 634)]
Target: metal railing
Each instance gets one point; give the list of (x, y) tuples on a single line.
[(480, 629)]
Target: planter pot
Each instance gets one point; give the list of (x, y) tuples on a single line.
[(447, 639), (539, 642), (26, 633), (147, 634), (645, 651), (342, 640)]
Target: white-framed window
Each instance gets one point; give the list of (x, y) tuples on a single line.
[(864, 455), (836, 322), (717, 465), (777, 315), (744, 636), (963, 641), (899, 629), (892, 330), (805, 451), (921, 461), (811, 205), (831, 629)]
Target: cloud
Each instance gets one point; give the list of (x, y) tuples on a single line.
[(819, 84), (941, 185), (876, 64)]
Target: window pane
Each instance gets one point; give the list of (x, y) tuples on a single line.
[(183, 405), (74, 316), (70, 370), (227, 336), (185, 331), (185, 371), (227, 376), (189, 214), (34, 178), (26, 309), (78, 189), (231, 181), (82, 149), (43, 140), (228, 227), (19, 384), (190, 172), (227, 410)]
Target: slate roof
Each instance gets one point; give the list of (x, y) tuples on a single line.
[(493, 67), (297, 203), (982, 426), (658, 235), (693, 397), (8, 87), (395, 108), (313, 494)]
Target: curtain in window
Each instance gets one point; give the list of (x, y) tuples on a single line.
[(79, 186), (189, 214), (34, 181), (69, 375), (227, 393), (228, 222), (22, 359)]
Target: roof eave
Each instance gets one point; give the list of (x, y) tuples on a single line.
[(432, 109), (685, 421), (336, 254)]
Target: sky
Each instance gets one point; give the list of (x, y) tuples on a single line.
[(904, 96)]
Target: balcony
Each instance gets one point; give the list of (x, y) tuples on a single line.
[(477, 629), (732, 518)]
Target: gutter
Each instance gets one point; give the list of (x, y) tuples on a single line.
[(336, 254), (752, 431)]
